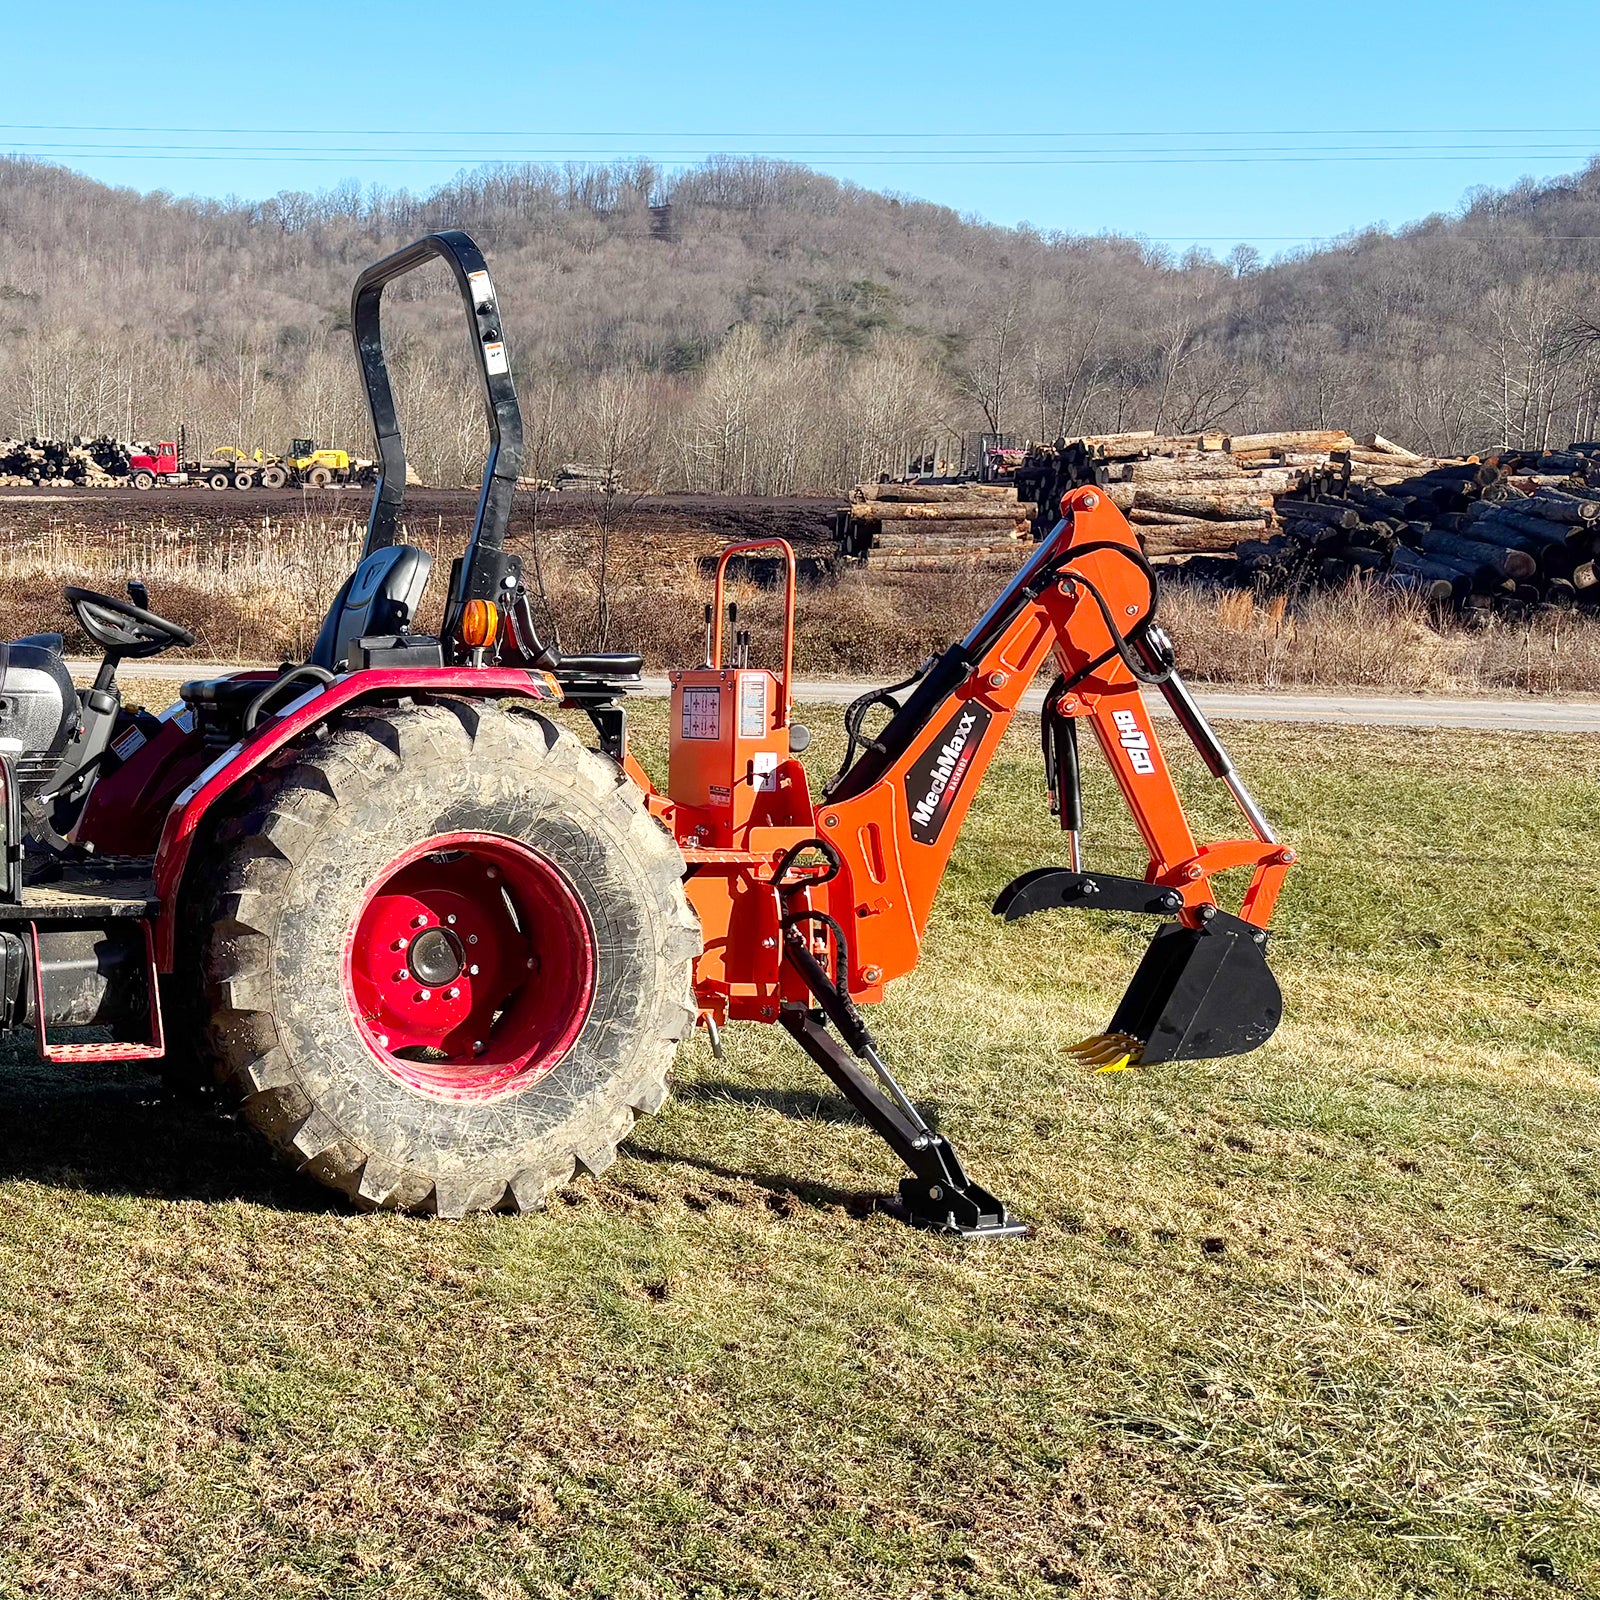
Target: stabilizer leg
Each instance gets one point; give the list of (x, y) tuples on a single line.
[(940, 1196)]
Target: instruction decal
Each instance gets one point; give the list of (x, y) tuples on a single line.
[(701, 716)]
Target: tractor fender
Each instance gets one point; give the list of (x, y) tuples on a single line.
[(236, 763)]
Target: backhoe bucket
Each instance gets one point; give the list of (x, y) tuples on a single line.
[(1198, 993)]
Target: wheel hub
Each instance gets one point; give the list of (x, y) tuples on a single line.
[(470, 966), (436, 956)]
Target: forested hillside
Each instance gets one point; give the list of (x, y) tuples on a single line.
[(757, 327)]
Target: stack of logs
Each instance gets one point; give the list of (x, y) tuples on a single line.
[(585, 475), (91, 463), (911, 525), (1507, 535), (1198, 492)]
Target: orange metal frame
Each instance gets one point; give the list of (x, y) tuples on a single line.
[(892, 856)]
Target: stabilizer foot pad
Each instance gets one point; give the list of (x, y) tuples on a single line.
[(969, 1212)]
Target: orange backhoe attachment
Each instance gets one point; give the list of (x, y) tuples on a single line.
[(810, 907)]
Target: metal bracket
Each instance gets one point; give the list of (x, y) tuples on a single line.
[(1055, 888)]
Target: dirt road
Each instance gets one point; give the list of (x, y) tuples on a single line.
[(1222, 705)]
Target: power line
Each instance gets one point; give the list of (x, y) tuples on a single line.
[(828, 155), (615, 133), (975, 164)]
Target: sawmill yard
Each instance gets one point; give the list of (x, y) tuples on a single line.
[(1314, 1321), (250, 573)]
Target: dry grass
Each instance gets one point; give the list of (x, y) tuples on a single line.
[(1316, 1322), (258, 594), (1361, 636)]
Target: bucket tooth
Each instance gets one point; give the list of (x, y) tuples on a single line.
[(1107, 1052)]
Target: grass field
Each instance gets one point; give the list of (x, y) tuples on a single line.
[(1318, 1321)]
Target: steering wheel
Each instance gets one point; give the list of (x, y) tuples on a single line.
[(121, 628)]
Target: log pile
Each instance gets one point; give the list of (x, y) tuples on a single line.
[(910, 525), (100, 463), (1506, 536), (1200, 493), (585, 475)]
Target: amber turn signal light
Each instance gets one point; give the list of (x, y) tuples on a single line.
[(480, 624)]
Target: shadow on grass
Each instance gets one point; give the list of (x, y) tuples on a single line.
[(819, 1196), (803, 1105), (113, 1130)]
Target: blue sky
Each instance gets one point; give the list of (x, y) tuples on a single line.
[(1276, 125)]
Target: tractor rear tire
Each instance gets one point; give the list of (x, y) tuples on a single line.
[(348, 1011)]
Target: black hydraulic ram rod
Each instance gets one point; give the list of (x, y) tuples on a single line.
[(1155, 650), (1063, 775)]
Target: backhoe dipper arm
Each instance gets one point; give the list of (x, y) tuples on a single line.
[(1087, 599)]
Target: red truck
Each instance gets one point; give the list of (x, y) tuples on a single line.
[(147, 468)]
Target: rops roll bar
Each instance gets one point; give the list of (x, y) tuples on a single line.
[(484, 565)]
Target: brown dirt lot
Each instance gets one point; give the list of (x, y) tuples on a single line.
[(699, 521)]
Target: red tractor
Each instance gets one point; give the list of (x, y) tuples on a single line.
[(441, 952)]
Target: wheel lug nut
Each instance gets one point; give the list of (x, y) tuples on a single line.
[(424, 994), (400, 944), (472, 972), (472, 938), (451, 921), (383, 1041), (477, 1045), (494, 872), (420, 920), (401, 975), (452, 993)]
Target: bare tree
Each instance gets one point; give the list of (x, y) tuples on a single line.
[(992, 349)]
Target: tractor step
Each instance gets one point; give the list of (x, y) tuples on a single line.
[(66, 1052), (84, 897), (102, 1050)]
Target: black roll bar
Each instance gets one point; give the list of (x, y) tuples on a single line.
[(484, 565)]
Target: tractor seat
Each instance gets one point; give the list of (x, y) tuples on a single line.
[(612, 666), (380, 597)]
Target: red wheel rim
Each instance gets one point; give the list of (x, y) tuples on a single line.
[(469, 968)]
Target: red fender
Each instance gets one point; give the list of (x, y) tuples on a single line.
[(316, 705)]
